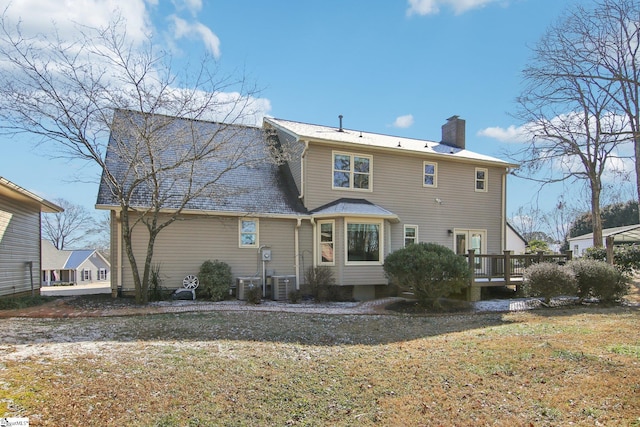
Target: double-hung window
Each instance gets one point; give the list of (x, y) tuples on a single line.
[(86, 275), (482, 176), (410, 234), (102, 274), (327, 243), (363, 241), (430, 177), (248, 233), (352, 171)]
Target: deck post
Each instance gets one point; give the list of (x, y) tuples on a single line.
[(610, 240), (473, 292), (507, 267)]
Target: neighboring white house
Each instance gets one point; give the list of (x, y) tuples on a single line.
[(624, 234), (515, 242), (85, 266)]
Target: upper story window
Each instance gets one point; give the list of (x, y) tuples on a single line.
[(326, 242), (410, 234), (248, 233), (430, 170), (352, 171), (363, 242), (482, 176)]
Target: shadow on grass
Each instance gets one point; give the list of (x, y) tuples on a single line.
[(262, 326)]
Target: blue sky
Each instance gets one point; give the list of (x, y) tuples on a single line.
[(392, 67)]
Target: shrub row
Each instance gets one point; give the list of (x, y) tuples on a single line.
[(584, 278)]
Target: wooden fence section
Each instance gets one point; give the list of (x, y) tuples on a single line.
[(506, 269)]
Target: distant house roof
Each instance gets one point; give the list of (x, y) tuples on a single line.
[(353, 207), (367, 139), (251, 185), (55, 259), (626, 233), (14, 191)]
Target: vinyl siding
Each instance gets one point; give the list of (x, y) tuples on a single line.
[(182, 247), (19, 243), (397, 186)]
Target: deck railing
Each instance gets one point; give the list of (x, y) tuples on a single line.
[(507, 268)]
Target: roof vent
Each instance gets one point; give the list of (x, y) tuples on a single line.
[(340, 117)]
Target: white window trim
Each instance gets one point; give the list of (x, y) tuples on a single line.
[(333, 227), (102, 274), (348, 221), (351, 172), (404, 240), (435, 174), (485, 180), (257, 233)]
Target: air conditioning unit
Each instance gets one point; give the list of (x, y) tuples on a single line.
[(243, 283), (281, 286)]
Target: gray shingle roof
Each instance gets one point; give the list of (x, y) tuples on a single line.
[(246, 179), (353, 207)]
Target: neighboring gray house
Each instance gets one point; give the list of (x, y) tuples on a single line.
[(343, 199), (20, 238), (80, 266)]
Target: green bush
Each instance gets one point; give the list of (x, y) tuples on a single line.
[(215, 280), (155, 284), (253, 294), (548, 280), (429, 270), (626, 258), (597, 279), (321, 283), (295, 296)]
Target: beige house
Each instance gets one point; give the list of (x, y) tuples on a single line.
[(343, 199), (20, 238)]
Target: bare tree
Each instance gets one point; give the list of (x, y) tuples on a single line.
[(66, 228), (575, 133), (79, 93)]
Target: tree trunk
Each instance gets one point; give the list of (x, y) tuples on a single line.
[(595, 213)]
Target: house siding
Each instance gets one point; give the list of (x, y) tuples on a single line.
[(181, 248), (19, 243), (397, 186)]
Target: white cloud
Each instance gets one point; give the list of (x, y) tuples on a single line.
[(36, 16), (193, 6), (430, 7), (510, 134), (182, 29), (403, 121)]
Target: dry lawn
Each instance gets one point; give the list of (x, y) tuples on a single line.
[(576, 365)]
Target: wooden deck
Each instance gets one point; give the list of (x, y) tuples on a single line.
[(506, 269)]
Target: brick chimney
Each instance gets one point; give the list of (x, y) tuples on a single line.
[(453, 132)]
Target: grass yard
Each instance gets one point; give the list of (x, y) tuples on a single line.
[(576, 365)]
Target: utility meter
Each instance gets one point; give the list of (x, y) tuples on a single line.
[(266, 255)]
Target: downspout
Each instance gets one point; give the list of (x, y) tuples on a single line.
[(504, 211), (296, 251), (302, 173), (315, 238), (119, 255)]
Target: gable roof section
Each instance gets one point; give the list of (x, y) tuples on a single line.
[(327, 134), (257, 187), (16, 192), (353, 207), (55, 259), (626, 233)]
